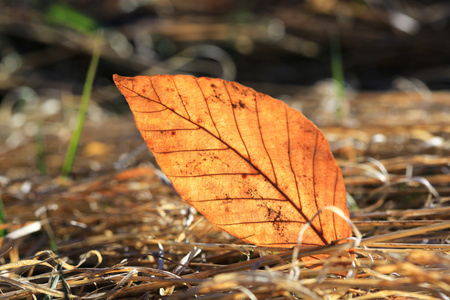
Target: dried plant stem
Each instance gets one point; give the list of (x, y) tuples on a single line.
[(405, 233)]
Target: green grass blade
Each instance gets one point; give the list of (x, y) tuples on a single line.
[(337, 72), (54, 248), (40, 152), (76, 135), (2, 218), (64, 15)]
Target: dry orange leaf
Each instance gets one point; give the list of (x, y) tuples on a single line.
[(250, 164)]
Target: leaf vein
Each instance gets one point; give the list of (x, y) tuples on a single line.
[(181, 98), (334, 203), (157, 96), (222, 199), (262, 139), (314, 179), (290, 158), (237, 126), (261, 222), (149, 112), (207, 106), (174, 129), (212, 174), (189, 150)]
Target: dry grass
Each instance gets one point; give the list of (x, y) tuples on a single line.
[(124, 234)]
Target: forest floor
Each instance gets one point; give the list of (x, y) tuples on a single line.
[(115, 230)]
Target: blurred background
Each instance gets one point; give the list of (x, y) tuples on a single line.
[(319, 56), (373, 75)]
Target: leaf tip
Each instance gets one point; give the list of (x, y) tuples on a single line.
[(117, 78), (122, 82)]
